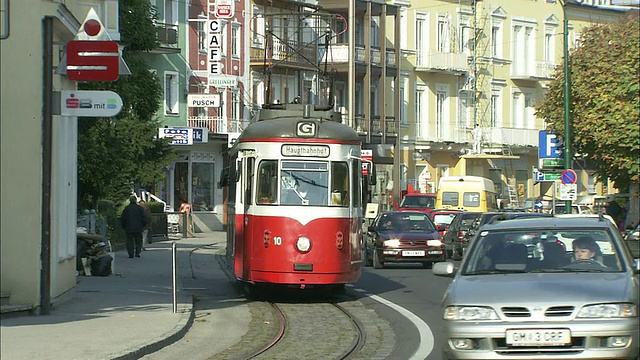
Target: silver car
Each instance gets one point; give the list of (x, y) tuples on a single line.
[(521, 293)]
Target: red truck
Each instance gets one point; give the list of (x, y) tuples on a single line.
[(417, 201)]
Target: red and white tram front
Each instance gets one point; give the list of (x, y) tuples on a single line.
[(298, 211)]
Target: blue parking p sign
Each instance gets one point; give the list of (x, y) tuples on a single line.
[(549, 146)]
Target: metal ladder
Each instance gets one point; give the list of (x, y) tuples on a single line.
[(513, 196)]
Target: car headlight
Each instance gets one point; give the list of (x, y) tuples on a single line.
[(470, 313), (435, 242), (392, 243), (608, 311), (303, 244)]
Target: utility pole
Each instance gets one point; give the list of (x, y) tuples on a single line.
[(567, 99)]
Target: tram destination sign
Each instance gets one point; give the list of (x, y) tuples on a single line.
[(299, 150)]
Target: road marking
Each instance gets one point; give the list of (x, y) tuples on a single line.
[(426, 335)]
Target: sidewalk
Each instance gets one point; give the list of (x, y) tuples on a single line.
[(129, 314)]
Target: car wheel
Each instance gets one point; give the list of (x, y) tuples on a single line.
[(377, 264)]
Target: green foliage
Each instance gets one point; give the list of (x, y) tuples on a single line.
[(605, 100), (119, 153), (155, 207)]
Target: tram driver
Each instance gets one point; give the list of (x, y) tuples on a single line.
[(306, 193)]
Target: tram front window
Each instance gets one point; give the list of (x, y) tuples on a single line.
[(267, 187), (304, 183)]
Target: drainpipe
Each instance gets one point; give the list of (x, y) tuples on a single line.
[(47, 121)]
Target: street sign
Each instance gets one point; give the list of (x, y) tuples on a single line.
[(200, 135), (539, 176), (549, 146), (179, 136), (551, 176), (568, 191), (367, 158), (551, 163), (569, 177), (89, 103), (225, 9), (203, 100)]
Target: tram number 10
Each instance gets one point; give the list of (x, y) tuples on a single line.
[(277, 240)]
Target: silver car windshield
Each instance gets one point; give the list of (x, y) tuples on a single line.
[(543, 251)]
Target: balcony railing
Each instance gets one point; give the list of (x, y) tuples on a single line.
[(339, 54), (491, 136), (218, 125), (286, 53), (542, 70), (442, 61)]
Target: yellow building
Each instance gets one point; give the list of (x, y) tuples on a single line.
[(467, 62)]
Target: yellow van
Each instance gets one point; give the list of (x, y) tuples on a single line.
[(469, 193)]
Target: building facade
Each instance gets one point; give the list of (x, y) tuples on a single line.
[(39, 150)]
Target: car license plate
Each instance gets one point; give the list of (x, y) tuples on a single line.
[(413, 253), (538, 337)]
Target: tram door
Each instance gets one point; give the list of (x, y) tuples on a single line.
[(247, 223)]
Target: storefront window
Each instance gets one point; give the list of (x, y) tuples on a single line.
[(181, 189), (202, 186)]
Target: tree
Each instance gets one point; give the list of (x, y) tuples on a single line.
[(115, 154), (605, 100)]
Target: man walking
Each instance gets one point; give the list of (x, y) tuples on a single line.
[(133, 221), (477, 138)]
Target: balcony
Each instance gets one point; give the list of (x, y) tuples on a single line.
[(511, 136), (543, 70), (167, 39), (446, 62), (339, 54), (217, 125), (285, 54)]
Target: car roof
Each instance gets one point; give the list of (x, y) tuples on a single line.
[(548, 222)]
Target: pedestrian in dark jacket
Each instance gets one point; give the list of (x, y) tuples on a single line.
[(133, 221)]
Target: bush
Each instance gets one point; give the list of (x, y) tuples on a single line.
[(155, 207)]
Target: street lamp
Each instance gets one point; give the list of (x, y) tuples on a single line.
[(567, 98)]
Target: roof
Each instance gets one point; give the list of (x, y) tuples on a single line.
[(549, 222)]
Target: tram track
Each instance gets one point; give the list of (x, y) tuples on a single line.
[(334, 332)]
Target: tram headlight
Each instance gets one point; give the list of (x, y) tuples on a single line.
[(303, 244)]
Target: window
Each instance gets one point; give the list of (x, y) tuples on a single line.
[(171, 104), (404, 101), (235, 105), (443, 33), (465, 40), (257, 27), (223, 38), (523, 50), (549, 46), (496, 108), (304, 183), (450, 198), (267, 186), (202, 36), (421, 41), (465, 108), (471, 199), (202, 186), (495, 34), (375, 32), (422, 130), (442, 110), (339, 184), (235, 40), (356, 175)]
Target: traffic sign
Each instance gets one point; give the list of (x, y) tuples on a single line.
[(569, 177), (551, 176), (568, 192), (367, 158), (551, 163), (539, 176), (549, 146)]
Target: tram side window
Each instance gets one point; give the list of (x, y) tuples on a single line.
[(339, 184), (267, 186), (249, 181), (356, 181)]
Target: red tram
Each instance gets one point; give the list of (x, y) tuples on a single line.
[(294, 202)]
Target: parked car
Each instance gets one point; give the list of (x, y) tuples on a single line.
[(415, 201), (632, 239), (442, 219), (455, 239), (505, 302), (403, 237)]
